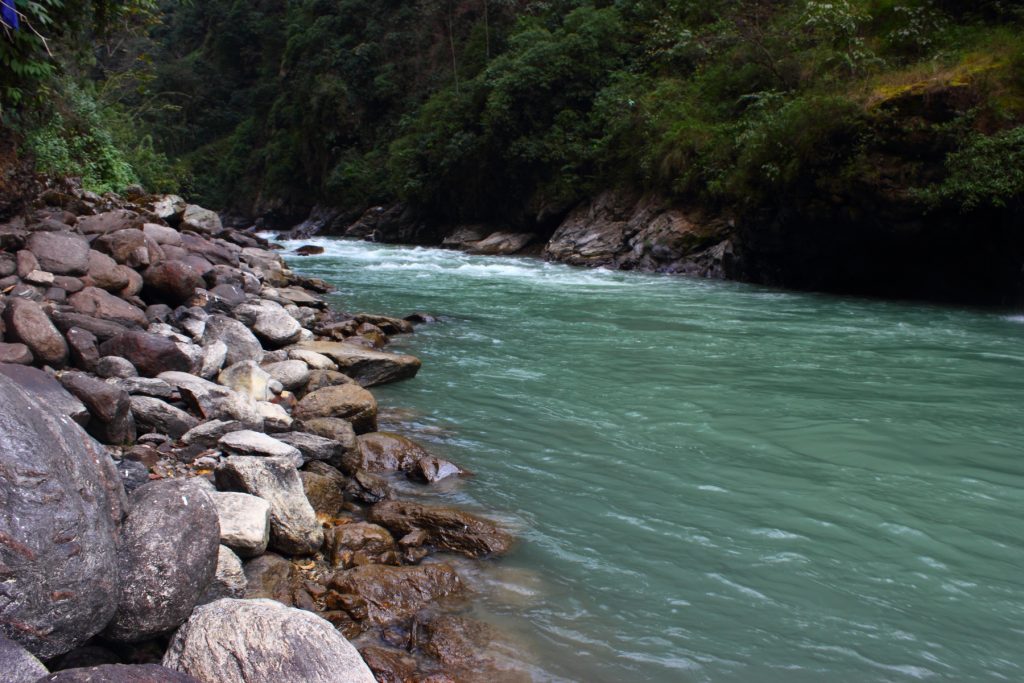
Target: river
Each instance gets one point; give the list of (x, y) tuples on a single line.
[(718, 482)]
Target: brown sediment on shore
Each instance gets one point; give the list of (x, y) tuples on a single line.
[(192, 473)]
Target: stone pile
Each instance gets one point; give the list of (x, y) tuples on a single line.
[(194, 485)]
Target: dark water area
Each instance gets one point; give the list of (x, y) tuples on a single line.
[(718, 482)]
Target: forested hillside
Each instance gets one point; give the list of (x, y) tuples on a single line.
[(785, 118)]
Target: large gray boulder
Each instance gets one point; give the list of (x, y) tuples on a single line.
[(244, 522), (17, 664), (242, 344), (346, 401), (248, 442), (28, 323), (60, 253), (213, 401), (62, 501), (167, 554), (364, 365), (119, 673), (151, 354), (154, 415), (294, 528), (230, 641)]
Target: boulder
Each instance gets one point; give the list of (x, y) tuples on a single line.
[(292, 374), (153, 415), (17, 354), (458, 642), (173, 281), (432, 470), (348, 401), (248, 442), (27, 263), (111, 221), (84, 348), (384, 452), (313, 447), (28, 324), (46, 389), (366, 366), (314, 360), (368, 488), (167, 556), (275, 417), (241, 343), (333, 428), (96, 303), (106, 273), (115, 367), (244, 522), (358, 543), (61, 253), (215, 353), (447, 528), (272, 577), (385, 323), (62, 504), (17, 664), (161, 234), (130, 248), (168, 206), (201, 220), (394, 593), (213, 401), (151, 354), (229, 580), (318, 379), (207, 434), (226, 642), (102, 329), (324, 491), (147, 386), (119, 673), (501, 243), (294, 528), (108, 405), (247, 379), (389, 665)]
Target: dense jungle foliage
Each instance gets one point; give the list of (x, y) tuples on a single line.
[(486, 109)]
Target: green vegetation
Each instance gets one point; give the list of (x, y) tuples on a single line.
[(503, 109)]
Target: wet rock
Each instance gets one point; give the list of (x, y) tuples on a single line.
[(384, 452), (388, 665), (97, 303), (432, 470), (173, 281), (325, 491), (244, 522), (226, 641), (241, 343), (458, 642), (17, 664), (387, 324), (358, 543), (247, 379), (229, 580), (151, 354), (309, 250), (294, 528), (153, 415), (333, 428), (271, 577), (108, 405), (420, 318), (84, 348), (367, 367), (201, 220), (248, 442), (349, 402), (106, 273), (18, 354), (394, 593), (115, 367), (167, 556), (447, 528), (59, 551), (292, 374), (28, 324), (61, 253), (119, 673), (501, 243), (368, 488), (313, 447)]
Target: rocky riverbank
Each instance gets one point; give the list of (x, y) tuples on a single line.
[(194, 485)]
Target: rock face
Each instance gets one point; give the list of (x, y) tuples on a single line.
[(62, 502), (244, 522), (347, 401), (226, 642), (167, 554), (393, 593), (444, 527), (294, 528), (28, 323), (119, 673), (366, 366), (621, 231), (17, 664)]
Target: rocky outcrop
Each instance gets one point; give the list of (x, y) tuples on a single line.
[(226, 642), (618, 230), (62, 505)]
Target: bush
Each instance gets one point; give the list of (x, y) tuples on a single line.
[(988, 171)]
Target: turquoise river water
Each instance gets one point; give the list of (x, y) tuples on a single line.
[(713, 481)]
